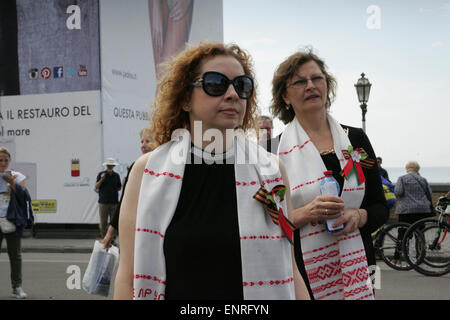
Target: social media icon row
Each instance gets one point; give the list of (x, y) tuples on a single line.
[(58, 72)]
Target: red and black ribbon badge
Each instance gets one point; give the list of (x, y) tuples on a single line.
[(269, 200), (356, 159)]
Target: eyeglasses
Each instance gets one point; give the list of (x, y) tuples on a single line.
[(302, 83), (216, 84)]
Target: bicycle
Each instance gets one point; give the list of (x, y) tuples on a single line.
[(388, 247), (426, 245)]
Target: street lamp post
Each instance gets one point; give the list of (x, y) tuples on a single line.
[(363, 90)]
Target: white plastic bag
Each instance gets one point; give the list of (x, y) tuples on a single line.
[(100, 270), (7, 226)]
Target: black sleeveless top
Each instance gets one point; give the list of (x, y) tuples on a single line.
[(202, 245)]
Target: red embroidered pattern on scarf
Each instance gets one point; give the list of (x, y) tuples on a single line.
[(267, 282), (307, 183), (150, 231), (327, 286), (349, 237), (354, 189), (320, 249), (329, 294), (312, 234), (366, 296), (351, 262), (347, 280), (336, 268), (355, 276), (321, 257), (330, 245), (328, 270), (158, 174), (352, 253), (252, 183), (296, 146), (262, 237), (358, 291), (149, 277)]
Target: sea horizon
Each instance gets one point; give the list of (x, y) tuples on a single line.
[(432, 174)]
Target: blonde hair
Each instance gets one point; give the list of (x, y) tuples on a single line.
[(146, 132), (412, 166), (175, 88), (5, 151)]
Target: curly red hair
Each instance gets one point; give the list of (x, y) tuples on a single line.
[(175, 88)]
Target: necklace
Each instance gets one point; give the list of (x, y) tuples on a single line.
[(322, 153)]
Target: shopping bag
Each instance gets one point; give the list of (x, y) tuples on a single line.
[(100, 270), (7, 226)]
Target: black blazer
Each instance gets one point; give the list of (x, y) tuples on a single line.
[(374, 201), (115, 218), (20, 210)]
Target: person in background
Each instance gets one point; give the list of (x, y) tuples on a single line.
[(12, 185), (146, 139), (414, 199), (108, 186), (383, 171), (265, 127), (312, 143), (190, 226)]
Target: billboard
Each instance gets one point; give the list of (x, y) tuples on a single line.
[(135, 39), (76, 82), (50, 104)]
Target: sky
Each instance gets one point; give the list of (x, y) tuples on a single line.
[(402, 46)]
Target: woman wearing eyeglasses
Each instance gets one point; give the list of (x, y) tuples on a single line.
[(192, 222), (334, 265)]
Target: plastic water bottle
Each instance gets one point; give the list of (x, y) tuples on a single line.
[(330, 187)]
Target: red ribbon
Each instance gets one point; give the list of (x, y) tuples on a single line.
[(275, 213), (353, 165), (361, 176)]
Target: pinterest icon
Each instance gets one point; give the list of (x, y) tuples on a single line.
[(46, 73)]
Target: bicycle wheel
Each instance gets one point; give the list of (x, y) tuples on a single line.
[(426, 247), (390, 249), (437, 250), (413, 242)]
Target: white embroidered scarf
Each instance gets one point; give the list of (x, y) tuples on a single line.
[(336, 266), (265, 252)]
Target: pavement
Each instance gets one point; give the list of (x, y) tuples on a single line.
[(39, 245)]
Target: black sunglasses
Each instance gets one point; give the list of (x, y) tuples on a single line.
[(216, 84)]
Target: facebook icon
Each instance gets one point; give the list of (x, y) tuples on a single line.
[(58, 72)]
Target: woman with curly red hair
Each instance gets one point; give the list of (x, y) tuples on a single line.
[(192, 222)]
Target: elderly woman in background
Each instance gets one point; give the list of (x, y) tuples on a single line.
[(414, 201), (413, 195), (335, 265)]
